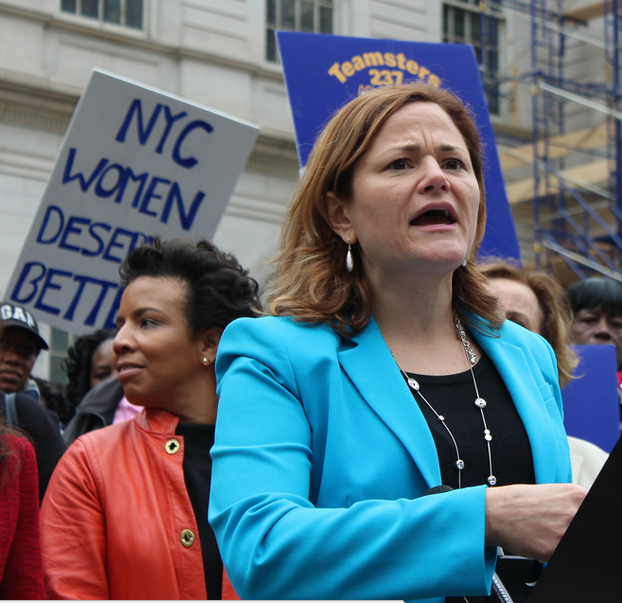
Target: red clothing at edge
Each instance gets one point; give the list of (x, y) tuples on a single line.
[(21, 574), (116, 515)]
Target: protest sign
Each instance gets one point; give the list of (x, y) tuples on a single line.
[(135, 163), (322, 72)]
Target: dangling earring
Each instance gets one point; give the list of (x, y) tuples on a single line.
[(349, 259), (465, 261), (206, 361)]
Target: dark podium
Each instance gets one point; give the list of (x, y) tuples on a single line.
[(586, 567)]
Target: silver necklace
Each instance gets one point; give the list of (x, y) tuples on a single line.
[(480, 403)]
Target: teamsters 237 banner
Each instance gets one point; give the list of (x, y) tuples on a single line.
[(323, 72)]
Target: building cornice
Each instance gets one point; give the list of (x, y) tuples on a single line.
[(31, 102)]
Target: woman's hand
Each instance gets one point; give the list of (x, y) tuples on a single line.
[(530, 520)]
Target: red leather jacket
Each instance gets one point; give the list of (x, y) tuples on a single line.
[(117, 521)]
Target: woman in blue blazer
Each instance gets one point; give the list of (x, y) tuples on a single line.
[(387, 370)]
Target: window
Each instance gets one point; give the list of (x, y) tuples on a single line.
[(315, 16), (59, 342), (464, 23), (126, 13)]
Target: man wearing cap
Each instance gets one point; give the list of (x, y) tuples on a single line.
[(20, 344)]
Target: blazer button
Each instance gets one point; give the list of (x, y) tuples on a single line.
[(187, 538), (172, 446)]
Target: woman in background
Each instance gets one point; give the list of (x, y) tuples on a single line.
[(126, 513), (89, 362), (538, 302)]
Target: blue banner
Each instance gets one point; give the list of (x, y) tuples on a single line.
[(323, 72), (591, 402)]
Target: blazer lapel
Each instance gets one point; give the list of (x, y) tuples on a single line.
[(372, 370), (374, 373), (526, 388)]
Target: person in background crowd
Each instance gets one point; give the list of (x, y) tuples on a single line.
[(24, 413), (20, 402), (90, 362), (103, 405), (387, 369), (21, 573), (538, 302), (152, 472), (597, 309), (20, 344)]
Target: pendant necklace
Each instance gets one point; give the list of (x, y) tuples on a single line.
[(480, 403)]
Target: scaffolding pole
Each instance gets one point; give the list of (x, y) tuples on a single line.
[(569, 219)]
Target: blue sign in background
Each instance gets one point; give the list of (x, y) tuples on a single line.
[(591, 403), (323, 72)]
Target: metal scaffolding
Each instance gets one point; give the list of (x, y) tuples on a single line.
[(576, 221)]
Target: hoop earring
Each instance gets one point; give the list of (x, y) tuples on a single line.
[(349, 259)]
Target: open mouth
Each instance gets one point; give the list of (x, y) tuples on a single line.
[(434, 217)]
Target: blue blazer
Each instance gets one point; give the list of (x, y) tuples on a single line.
[(321, 458)]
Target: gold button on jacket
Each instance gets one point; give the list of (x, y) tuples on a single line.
[(187, 538), (172, 446)]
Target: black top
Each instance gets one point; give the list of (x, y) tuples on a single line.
[(44, 434), (453, 396), (198, 440)]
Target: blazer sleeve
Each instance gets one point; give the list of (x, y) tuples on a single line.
[(275, 543), (73, 530)]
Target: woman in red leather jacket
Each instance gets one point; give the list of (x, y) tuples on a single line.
[(125, 514)]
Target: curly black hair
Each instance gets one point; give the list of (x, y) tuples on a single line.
[(77, 367), (220, 290)]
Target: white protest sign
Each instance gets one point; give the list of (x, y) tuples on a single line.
[(135, 163)]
